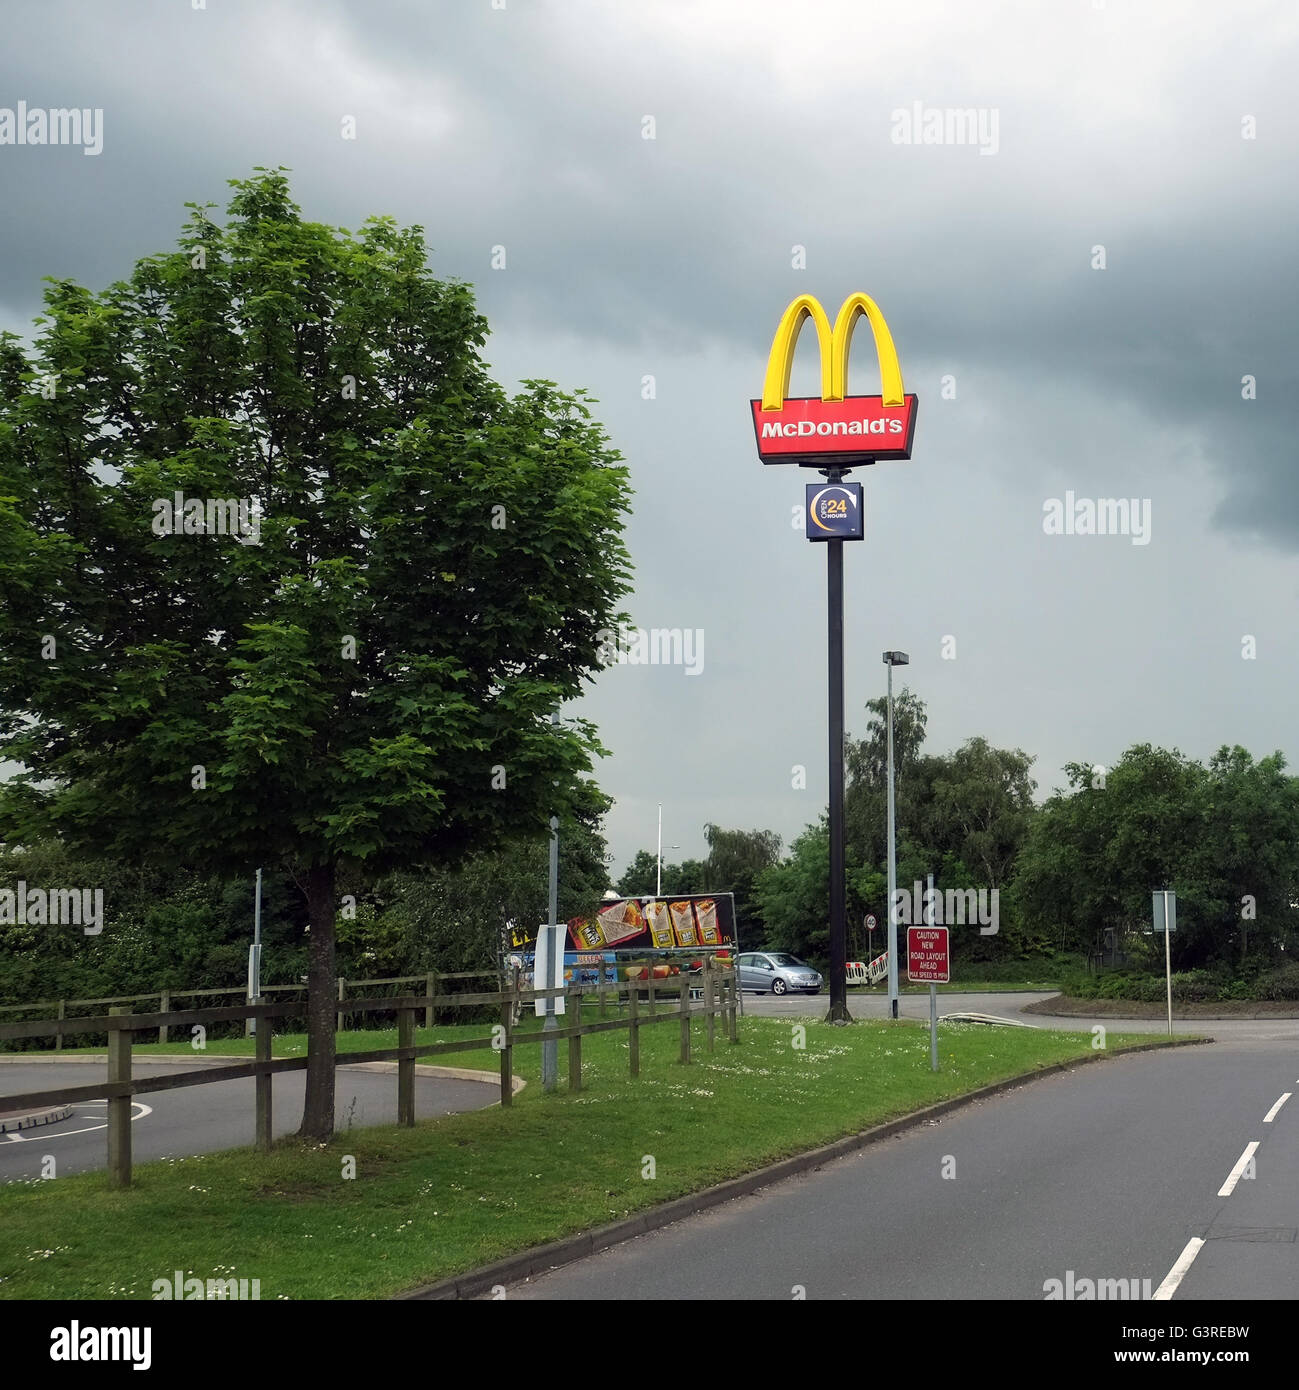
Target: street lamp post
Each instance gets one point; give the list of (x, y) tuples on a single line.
[(658, 858), (892, 659)]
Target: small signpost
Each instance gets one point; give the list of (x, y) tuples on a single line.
[(1163, 903), (548, 969), (929, 961)]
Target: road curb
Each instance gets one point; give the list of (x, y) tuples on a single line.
[(11, 1123), (543, 1258), (215, 1059), (1158, 1016)]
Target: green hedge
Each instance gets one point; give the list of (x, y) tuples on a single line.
[(1189, 986)]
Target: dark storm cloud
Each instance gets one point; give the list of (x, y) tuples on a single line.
[(522, 127)]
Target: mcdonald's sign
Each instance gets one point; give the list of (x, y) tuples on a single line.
[(833, 429)]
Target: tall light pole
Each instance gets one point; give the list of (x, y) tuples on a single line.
[(892, 659), (658, 858)]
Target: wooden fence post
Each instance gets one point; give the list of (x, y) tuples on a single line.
[(599, 985), (406, 1068), (575, 1047), (651, 993), (263, 1098), (507, 1055), (633, 1040), (685, 1019), (164, 1007), (732, 988), (430, 984), (119, 1107), (340, 1020)]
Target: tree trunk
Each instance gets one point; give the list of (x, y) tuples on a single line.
[(322, 995)]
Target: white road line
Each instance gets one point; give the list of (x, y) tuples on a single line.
[(1241, 1164), (1178, 1272), (1271, 1114), (49, 1133)]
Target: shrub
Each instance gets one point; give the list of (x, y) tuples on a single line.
[(1281, 983)]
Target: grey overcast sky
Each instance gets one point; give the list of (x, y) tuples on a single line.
[(1158, 138)]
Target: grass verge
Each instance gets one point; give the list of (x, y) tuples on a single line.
[(459, 1191)]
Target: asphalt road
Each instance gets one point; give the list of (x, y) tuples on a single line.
[(203, 1119), (1108, 1171)]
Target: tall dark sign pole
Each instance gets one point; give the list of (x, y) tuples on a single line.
[(838, 908), (834, 515), (833, 433)]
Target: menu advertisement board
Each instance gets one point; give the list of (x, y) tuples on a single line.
[(685, 921)]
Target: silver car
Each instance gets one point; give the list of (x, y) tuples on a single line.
[(778, 972)]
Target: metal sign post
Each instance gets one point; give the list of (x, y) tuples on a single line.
[(838, 1010), (555, 941), (929, 962), (255, 956), (933, 989), (1163, 903)]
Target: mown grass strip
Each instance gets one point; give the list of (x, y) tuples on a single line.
[(460, 1191)]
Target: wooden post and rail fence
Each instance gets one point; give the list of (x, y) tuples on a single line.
[(719, 990)]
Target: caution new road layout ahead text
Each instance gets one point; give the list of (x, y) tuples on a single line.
[(927, 957)]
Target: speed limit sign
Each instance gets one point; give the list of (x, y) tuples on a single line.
[(870, 921)]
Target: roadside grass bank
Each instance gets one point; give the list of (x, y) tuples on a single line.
[(460, 1191)]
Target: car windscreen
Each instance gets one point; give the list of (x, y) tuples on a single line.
[(785, 960)]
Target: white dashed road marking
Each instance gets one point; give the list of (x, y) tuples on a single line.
[(1178, 1272), (1241, 1164), (1271, 1114)]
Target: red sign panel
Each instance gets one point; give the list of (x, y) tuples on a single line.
[(856, 428), (927, 955)]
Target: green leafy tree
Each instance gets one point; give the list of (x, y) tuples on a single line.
[(639, 878), (735, 859), (793, 896), (1226, 837), (368, 687), (982, 802), (866, 777), (458, 918)]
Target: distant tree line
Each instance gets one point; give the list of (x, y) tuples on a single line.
[(1074, 877)]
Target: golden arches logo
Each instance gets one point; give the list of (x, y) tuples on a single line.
[(834, 344)]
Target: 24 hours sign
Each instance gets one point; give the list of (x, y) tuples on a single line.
[(834, 512)]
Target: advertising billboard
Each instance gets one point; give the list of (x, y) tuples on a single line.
[(685, 921)]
